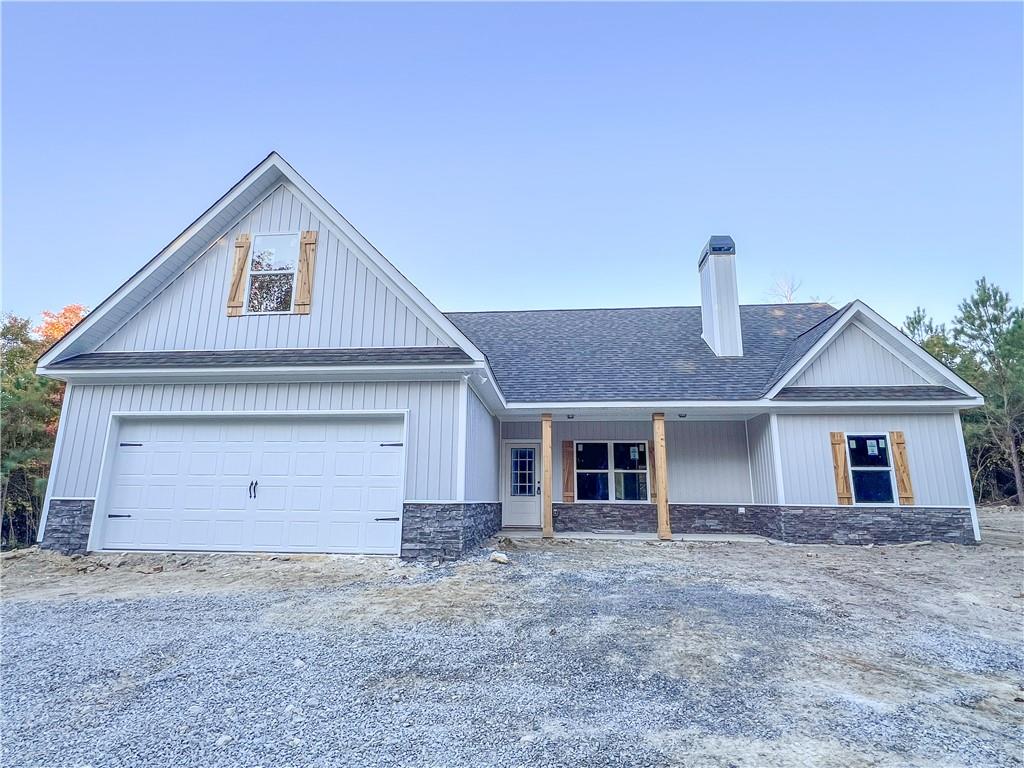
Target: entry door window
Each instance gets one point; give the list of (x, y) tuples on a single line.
[(523, 472)]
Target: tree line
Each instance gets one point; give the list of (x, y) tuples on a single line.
[(984, 345)]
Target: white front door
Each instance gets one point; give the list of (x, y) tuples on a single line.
[(520, 502), (272, 484)]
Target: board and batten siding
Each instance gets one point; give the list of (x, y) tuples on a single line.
[(933, 452), (854, 359), (483, 459), (707, 460), (762, 462), (431, 454), (351, 307)]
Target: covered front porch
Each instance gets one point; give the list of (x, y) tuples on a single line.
[(636, 473)]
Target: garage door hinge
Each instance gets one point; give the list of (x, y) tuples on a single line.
[(391, 445)]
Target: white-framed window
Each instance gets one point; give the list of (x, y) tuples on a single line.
[(611, 471), (271, 287), (871, 472)]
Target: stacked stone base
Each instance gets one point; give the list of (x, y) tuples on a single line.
[(67, 526), (798, 525), (445, 531)]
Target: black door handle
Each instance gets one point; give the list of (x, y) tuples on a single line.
[(118, 515), (386, 519), (250, 488), (255, 486)]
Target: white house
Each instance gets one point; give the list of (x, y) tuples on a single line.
[(270, 382)]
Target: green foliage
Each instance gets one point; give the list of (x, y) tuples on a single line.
[(29, 408), (986, 348)]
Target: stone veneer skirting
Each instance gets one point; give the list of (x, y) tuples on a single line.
[(67, 526), (446, 530), (798, 525)]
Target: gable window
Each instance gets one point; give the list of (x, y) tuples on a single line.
[(609, 471), (272, 273), (871, 472)]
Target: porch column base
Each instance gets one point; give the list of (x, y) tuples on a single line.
[(661, 476)]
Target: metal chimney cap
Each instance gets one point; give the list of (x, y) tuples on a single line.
[(720, 245)]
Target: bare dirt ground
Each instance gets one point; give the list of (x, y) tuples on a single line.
[(596, 652)]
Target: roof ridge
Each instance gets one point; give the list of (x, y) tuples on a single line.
[(631, 309)]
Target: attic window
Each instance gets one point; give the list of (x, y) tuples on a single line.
[(272, 273)]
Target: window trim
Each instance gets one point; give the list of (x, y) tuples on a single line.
[(891, 469), (294, 272), (611, 473)]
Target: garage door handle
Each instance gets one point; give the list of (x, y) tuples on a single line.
[(130, 445), (386, 519), (250, 488), (255, 486), (391, 445), (118, 515)]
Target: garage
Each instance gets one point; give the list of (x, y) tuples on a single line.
[(309, 483)]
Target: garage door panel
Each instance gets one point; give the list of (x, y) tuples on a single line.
[(203, 463), (275, 464), (237, 463), (160, 497), (306, 484), (272, 498), (385, 464), (307, 498), (155, 532)]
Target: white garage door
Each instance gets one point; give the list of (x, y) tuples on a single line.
[(275, 484)]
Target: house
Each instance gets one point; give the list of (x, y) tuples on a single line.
[(270, 382)]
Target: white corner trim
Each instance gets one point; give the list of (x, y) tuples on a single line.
[(969, 486), (463, 436), (780, 487)]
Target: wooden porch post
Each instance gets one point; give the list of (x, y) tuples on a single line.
[(661, 476), (546, 472)]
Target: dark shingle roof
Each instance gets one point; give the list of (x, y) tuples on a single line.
[(265, 357), (635, 354), (923, 392)]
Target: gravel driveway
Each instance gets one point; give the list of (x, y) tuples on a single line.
[(587, 653)]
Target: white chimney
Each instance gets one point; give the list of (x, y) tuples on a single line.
[(719, 299)]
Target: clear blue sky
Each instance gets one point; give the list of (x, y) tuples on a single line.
[(533, 155)]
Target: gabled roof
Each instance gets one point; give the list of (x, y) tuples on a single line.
[(634, 354), (141, 287)]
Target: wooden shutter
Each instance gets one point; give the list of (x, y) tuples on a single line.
[(304, 276), (901, 468), (652, 470), (236, 291), (568, 472), (840, 464)]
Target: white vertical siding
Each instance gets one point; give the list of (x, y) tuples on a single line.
[(933, 452), (762, 466), (520, 430), (483, 459), (431, 453), (351, 306), (707, 462), (853, 358)]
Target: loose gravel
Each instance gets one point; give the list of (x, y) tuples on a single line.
[(584, 653)]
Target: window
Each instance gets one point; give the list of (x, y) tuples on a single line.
[(611, 471), (272, 273), (523, 483), (870, 469)]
